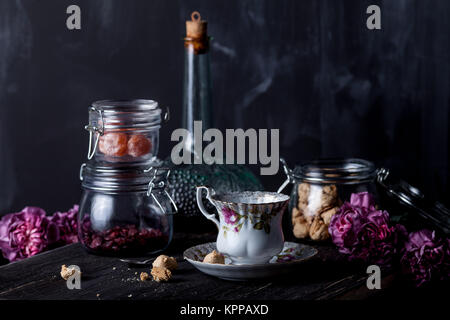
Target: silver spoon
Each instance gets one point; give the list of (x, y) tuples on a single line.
[(136, 262)]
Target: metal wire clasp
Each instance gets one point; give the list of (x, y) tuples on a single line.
[(99, 131), (166, 114), (288, 173), (82, 171), (160, 184)]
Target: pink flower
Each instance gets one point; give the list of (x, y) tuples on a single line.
[(67, 224), (26, 233), (343, 226), (426, 257), (365, 233), (379, 218), (230, 216), (379, 243), (363, 200)]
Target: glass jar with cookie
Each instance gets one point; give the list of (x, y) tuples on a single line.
[(320, 188)]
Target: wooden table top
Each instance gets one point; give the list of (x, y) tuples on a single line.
[(327, 276)]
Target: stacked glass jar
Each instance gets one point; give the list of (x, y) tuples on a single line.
[(125, 208)]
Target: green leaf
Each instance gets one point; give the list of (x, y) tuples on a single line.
[(259, 225), (267, 228)]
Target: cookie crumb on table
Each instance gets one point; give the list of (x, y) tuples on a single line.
[(144, 276), (67, 272), (161, 274), (167, 262)]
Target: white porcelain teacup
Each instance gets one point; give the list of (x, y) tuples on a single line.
[(250, 230)]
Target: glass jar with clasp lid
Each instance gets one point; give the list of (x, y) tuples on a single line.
[(320, 187), (124, 131), (125, 211)]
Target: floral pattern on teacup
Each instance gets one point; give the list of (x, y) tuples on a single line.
[(234, 220), (261, 222), (230, 216)]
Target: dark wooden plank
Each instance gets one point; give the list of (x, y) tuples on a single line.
[(108, 278)]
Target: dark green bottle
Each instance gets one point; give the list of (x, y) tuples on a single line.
[(197, 106)]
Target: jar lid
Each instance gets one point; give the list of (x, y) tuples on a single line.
[(115, 114), (119, 178), (331, 171), (412, 198)]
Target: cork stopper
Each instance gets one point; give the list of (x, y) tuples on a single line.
[(196, 28)]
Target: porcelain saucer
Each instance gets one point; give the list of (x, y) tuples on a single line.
[(291, 256)]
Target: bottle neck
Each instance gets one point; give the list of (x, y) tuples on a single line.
[(197, 99)]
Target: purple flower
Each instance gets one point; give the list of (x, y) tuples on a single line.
[(377, 244), (230, 216), (343, 225), (363, 200), (365, 233), (67, 224), (380, 219), (426, 257), (26, 233)]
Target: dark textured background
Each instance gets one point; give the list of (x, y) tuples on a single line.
[(310, 68)]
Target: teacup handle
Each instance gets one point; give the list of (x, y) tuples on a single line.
[(208, 216)]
